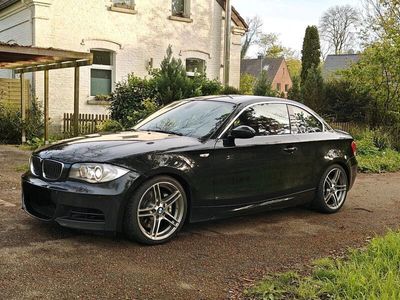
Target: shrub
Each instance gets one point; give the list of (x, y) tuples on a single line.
[(148, 107), (11, 124), (230, 90), (110, 126), (247, 83), (171, 80), (263, 86), (129, 97)]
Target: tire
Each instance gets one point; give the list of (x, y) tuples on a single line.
[(332, 190), (156, 211)]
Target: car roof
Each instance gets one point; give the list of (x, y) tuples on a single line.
[(243, 99)]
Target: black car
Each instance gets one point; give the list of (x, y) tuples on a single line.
[(194, 160)]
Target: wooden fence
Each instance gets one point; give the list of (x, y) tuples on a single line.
[(87, 123), (347, 126), (10, 92)]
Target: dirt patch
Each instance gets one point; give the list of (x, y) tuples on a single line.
[(206, 261)]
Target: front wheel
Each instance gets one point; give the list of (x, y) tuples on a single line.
[(156, 212), (332, 190)]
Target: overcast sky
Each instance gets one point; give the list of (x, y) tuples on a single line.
[(288, 18)]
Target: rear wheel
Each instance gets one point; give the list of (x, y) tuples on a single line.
[(156, 212), (332, 190)]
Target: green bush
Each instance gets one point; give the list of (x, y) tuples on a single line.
[(129, 97), (230, 90), (110, 126), (247, 83), (11, 124)]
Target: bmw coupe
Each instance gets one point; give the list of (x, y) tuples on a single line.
[(194, 160)]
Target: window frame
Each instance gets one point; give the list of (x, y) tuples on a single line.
[(186, 10), (110, 67), (230, 123), (193, 74), (323, 123)]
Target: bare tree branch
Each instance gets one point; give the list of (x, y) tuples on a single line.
[(338, 27), (252, 35)]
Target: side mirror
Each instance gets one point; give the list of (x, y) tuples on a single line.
[(243, 132)]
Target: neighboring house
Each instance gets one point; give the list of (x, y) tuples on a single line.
[(125, 36), (277, 69), (337, 62)]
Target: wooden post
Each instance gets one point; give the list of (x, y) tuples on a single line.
[(46, 106), (76, 102), (23, 108)]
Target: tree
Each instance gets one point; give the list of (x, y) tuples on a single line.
[(295, 92), (294, 66), (247, 83), (263, 86), (338, 27), (252, 35), (311, 53), (171, 79), (313, 90)]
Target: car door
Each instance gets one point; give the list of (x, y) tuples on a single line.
[(309, 132), (260, 168)]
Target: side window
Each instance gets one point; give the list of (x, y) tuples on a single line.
[(303, 122), (195, 66), (266, 119)]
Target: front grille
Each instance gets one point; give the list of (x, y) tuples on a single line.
[(36, 166), (52, 169)]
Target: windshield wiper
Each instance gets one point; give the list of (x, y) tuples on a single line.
[(166, 131)]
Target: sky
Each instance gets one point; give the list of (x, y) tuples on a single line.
[(288, 18)]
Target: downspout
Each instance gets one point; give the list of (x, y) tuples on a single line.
[(227, 48)]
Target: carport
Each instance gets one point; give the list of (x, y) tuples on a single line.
[(26, 59)]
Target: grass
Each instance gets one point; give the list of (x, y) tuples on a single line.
[(381, 162), (370, 273), (22, 168)]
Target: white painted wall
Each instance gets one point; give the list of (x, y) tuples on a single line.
[(134, 39)]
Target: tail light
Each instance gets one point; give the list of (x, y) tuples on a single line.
[(354, 148)]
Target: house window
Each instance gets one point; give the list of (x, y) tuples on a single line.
[(278, 87), (286, 88), (195, 66), (101, 73), (128, 4), (181, 8)]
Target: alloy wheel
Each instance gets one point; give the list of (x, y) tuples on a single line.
[(160, 211), (335, 188)]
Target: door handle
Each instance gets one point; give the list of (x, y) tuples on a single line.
[(290, 149)]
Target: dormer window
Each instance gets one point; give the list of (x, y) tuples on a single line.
[(181, 8)]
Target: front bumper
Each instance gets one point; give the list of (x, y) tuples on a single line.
[(78, 205)]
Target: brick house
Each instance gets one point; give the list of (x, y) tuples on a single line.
[(125, 36), (277, 70)]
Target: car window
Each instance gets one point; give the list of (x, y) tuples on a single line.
[(266, 119), (198, 119), (302, 121)]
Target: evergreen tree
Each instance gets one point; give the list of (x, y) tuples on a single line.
[(263, 86), (295, 92), (311, 53), (313, 90), (171, 79)]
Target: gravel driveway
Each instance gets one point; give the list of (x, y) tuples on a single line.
[(206, 261)]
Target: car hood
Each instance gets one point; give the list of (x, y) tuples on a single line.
[(109, 147)]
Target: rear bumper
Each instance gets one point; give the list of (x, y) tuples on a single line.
[(77, 205)]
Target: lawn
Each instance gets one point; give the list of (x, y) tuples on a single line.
[(369, 273)]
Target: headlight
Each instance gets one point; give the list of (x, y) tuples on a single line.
[(96, 173)]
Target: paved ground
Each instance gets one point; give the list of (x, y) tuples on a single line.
[(207, 261)]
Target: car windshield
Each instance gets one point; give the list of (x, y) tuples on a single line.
[(196, 118)]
